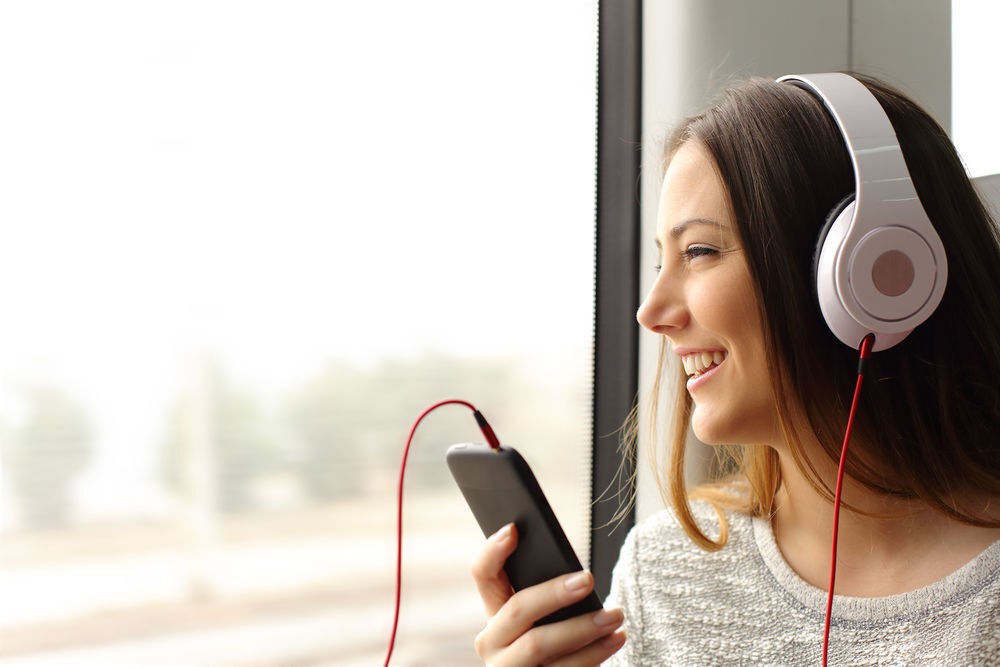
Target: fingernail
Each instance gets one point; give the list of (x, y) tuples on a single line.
[(613, 640), (503, 534), (578, 581), (606, 617)]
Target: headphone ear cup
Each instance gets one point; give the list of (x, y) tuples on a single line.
[(824, 232)]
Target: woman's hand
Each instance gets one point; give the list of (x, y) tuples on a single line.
[(509, 637)]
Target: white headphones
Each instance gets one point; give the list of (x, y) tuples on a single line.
[(881, 268)]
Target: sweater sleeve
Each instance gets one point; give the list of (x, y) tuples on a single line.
[(625, 593)]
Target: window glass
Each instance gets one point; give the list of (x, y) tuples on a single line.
[(244, 245), (975, 97)]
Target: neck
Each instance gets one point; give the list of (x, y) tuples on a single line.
[(886, 545)]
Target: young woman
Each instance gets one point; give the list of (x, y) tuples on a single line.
[(737, 570)]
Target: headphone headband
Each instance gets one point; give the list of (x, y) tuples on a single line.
[(881, 268)]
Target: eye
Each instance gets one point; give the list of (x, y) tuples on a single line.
[(694, 251)]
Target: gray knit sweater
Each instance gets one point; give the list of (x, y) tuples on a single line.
[(743, 605)]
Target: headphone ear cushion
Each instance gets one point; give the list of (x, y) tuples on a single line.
[(831, 217)]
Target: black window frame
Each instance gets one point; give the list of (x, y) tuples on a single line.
[(616, 276)]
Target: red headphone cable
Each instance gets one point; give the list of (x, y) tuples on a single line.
[(866, 347), (493, 442)]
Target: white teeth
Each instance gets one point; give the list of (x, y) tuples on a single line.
[(698, 362)]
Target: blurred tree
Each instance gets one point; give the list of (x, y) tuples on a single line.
[(242, 445), (324, 413), (43, 456), (351, 423), (342, 431)]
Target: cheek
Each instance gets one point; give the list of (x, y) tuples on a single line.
[(729, 312), (739, 409), (711, 306)]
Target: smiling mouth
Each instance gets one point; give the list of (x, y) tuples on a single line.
[(698, 363)]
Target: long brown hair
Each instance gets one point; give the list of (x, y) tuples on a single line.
[(930, 419)]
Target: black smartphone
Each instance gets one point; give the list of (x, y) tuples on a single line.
[(500, 489)]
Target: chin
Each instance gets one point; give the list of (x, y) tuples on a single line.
[(718, 429), (707, 430), (753, 427)]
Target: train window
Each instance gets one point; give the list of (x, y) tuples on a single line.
[(244, 245), (974, 100)]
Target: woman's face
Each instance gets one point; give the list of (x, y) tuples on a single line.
[(703, 302)]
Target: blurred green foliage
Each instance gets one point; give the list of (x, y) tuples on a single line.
[(43, 455), (339, 434), (343, 430), (351, 423)]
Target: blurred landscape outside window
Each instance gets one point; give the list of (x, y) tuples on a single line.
[(244, 245)]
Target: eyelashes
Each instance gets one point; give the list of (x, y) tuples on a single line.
[(694, 251), (691, 253)]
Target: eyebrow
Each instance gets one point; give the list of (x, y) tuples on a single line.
[(679, 229)]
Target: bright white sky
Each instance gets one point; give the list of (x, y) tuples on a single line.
[(326, 174), (286, 183)]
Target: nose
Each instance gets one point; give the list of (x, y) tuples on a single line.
[(663, 311)]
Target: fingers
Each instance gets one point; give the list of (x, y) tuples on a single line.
[(595, 653), (584, 640), (487, 569), (510, 637), (521, 611)]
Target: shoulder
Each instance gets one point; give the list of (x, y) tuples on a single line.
[(661, 574), (659, 555), (662, 531)]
